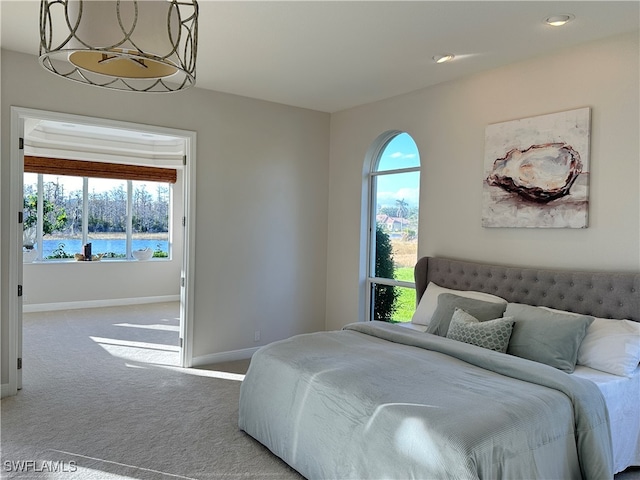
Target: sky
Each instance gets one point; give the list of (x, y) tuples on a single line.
[(400, 152)]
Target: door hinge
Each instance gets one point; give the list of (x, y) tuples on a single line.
[(182, 282), (19, 363), (181, 342), (21, 143), (184, 160), (19, 290), (184, 221), (20, 217)]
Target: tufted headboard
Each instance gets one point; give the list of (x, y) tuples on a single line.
[(600, 294)]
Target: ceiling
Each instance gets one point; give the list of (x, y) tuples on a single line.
[(334, 55), (75, 141)]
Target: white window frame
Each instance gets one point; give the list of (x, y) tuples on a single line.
[(374, 155)]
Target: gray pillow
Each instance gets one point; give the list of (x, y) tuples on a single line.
[(492, 334), (546, 337), (448, 302)]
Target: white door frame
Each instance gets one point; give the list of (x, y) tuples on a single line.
[(18, 116)]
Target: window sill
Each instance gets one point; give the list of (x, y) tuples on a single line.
[(104, 260)]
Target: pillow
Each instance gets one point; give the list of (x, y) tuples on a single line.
[(546, 337), (492, 334), (429, 301), (611, 346), (447, 303)]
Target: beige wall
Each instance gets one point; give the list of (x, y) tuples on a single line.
[(261, 200), (448, 124)]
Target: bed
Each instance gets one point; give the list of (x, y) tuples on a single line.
[(446, 396)]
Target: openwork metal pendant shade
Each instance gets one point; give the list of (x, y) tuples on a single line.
[(132, 45)]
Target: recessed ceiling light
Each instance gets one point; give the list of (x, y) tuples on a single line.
[(559, 20), (443, 58)]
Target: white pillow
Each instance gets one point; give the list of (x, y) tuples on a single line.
[(611, 346), (429, 301)]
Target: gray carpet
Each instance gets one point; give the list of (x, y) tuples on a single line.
[(102, 398)]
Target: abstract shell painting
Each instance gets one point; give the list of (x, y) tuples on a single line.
[(536, 171)]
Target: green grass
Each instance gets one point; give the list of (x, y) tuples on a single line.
[(406, 301), (405, 274)]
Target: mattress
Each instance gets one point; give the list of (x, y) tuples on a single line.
[(621, 396)]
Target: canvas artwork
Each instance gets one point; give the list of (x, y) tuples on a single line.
[(536, 171)]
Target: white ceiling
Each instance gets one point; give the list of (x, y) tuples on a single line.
[(63, 139), (333, 55)]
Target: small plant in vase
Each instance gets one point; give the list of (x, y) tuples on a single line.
[(29, 252)]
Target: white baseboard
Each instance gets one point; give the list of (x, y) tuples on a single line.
[(113, 302), (4, 392), (230, 356)]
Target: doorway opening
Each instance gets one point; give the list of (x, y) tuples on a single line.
[(50, 135)]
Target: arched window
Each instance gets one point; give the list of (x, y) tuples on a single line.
[(394, 188)]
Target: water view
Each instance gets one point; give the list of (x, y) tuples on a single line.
[(115, 246)]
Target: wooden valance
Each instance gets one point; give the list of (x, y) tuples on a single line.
[(82, 168)]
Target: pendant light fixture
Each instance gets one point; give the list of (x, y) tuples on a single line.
[(131, 45)]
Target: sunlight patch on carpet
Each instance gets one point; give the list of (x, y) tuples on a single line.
[(166, 328), (142, 352), (128, 343), (91, 472), (206, 373)]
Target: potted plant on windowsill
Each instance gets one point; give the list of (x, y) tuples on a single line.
[(142, 254), (29, 253)]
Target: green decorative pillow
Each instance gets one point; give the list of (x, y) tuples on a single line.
[(492, 334), (545, 336), (448, 302)]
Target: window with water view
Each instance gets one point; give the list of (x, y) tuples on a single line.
[(62, 213)]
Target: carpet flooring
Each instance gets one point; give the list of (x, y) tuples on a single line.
[(103, 398)]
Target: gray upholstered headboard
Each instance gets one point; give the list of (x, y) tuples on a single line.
[(600, 294)]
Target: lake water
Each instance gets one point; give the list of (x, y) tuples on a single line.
[(72, 246)]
